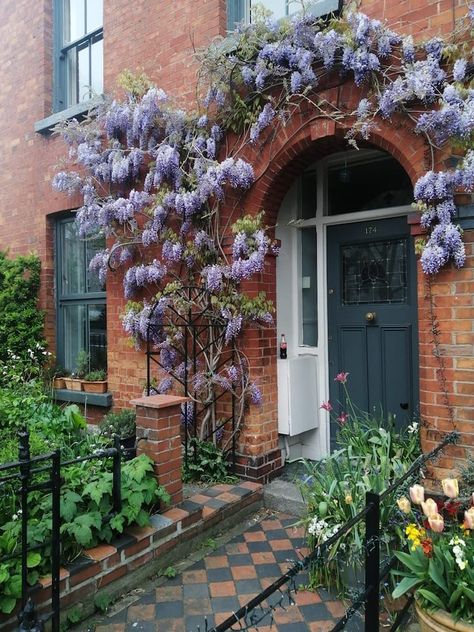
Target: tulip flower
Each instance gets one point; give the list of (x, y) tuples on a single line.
[(326, 406), (417, 494), (430, 508), (450, 487), (469, 518), (404, 505), (436, 523)]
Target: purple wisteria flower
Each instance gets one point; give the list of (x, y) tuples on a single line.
[(264, 119)]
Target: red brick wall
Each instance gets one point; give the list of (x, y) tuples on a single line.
[(446, 317), (161, 43)]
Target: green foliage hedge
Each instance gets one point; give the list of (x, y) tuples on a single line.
[(21, 322)]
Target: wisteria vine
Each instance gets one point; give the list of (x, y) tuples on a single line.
[(154, 178)]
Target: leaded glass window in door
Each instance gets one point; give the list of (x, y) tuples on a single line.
[(374, 272)]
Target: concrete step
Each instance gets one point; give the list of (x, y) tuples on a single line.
[(284, 496)]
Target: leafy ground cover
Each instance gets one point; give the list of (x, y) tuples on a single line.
[(86, 492), (371, 454)]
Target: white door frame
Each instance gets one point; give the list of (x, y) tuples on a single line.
[(317, 443)]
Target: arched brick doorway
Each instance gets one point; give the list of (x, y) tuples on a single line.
[(277, 168)]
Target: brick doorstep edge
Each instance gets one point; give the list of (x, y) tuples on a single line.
[(140, 553)]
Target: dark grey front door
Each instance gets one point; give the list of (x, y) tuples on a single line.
[(372, 316)]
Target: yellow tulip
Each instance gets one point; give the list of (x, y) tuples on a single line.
[(404, 505)]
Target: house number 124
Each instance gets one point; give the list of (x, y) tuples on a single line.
[(371, 230)]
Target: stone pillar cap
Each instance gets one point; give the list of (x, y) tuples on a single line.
[(159, 401)]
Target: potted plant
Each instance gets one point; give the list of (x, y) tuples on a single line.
[(95, 382), (439, 564), (123, 425), (59, 375)]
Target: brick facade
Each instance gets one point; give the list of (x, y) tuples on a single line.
[(161, 43)]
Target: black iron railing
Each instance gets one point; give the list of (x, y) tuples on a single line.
[(43, 473), (252, 614)]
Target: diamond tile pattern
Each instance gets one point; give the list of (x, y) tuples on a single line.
[(228, 578)]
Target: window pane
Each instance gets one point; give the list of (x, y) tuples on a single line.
[(309, 289), (72, 262), (74, 334), (308, 195), (97, 336), (74, 20), (97, 69), (93, 281), (94, 15), (235, 13), (361, 187), (83, 76), (71, 77), (279, 8)]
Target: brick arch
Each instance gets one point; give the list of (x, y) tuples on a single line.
[(281, 156), (284, 157)]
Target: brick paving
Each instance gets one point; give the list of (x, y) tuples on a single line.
[(224, 580)]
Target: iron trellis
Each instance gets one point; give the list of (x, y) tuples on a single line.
[(194, 333)]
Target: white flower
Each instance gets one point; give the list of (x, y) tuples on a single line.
[(461, 563), (412, 428)]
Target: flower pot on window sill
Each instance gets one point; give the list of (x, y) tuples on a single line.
[(59, 382), (73, 384), (99, 386), (440, 621)]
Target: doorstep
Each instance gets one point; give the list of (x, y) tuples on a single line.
[(142, 552)]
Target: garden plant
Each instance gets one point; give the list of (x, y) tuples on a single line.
[(86, 491), (437, 564), (370, 455)]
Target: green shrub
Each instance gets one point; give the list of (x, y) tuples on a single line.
[(206, 463), (96, 376), (122, 424), (21, 322)]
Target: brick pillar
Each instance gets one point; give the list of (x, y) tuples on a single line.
[(159, 437)]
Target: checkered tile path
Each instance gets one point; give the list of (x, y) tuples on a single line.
[(228, 578)]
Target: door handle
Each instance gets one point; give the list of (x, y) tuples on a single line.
[(370, 317)]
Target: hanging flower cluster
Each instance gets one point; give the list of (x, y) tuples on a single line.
[(154, 177), (431, 83)]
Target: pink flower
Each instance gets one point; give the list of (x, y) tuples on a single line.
[(341, 377), (450, 487), (417, 494), (436, 523), (326, 406), (430, 508), (343, 418)]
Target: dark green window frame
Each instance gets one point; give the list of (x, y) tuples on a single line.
[(67, 87), (78, 291)]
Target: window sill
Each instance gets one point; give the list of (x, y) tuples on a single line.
[(45, 126), (80, 397)]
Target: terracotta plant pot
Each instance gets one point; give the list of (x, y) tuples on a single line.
[(59, 382), (99, 386), (440, 621), (75, 384)]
